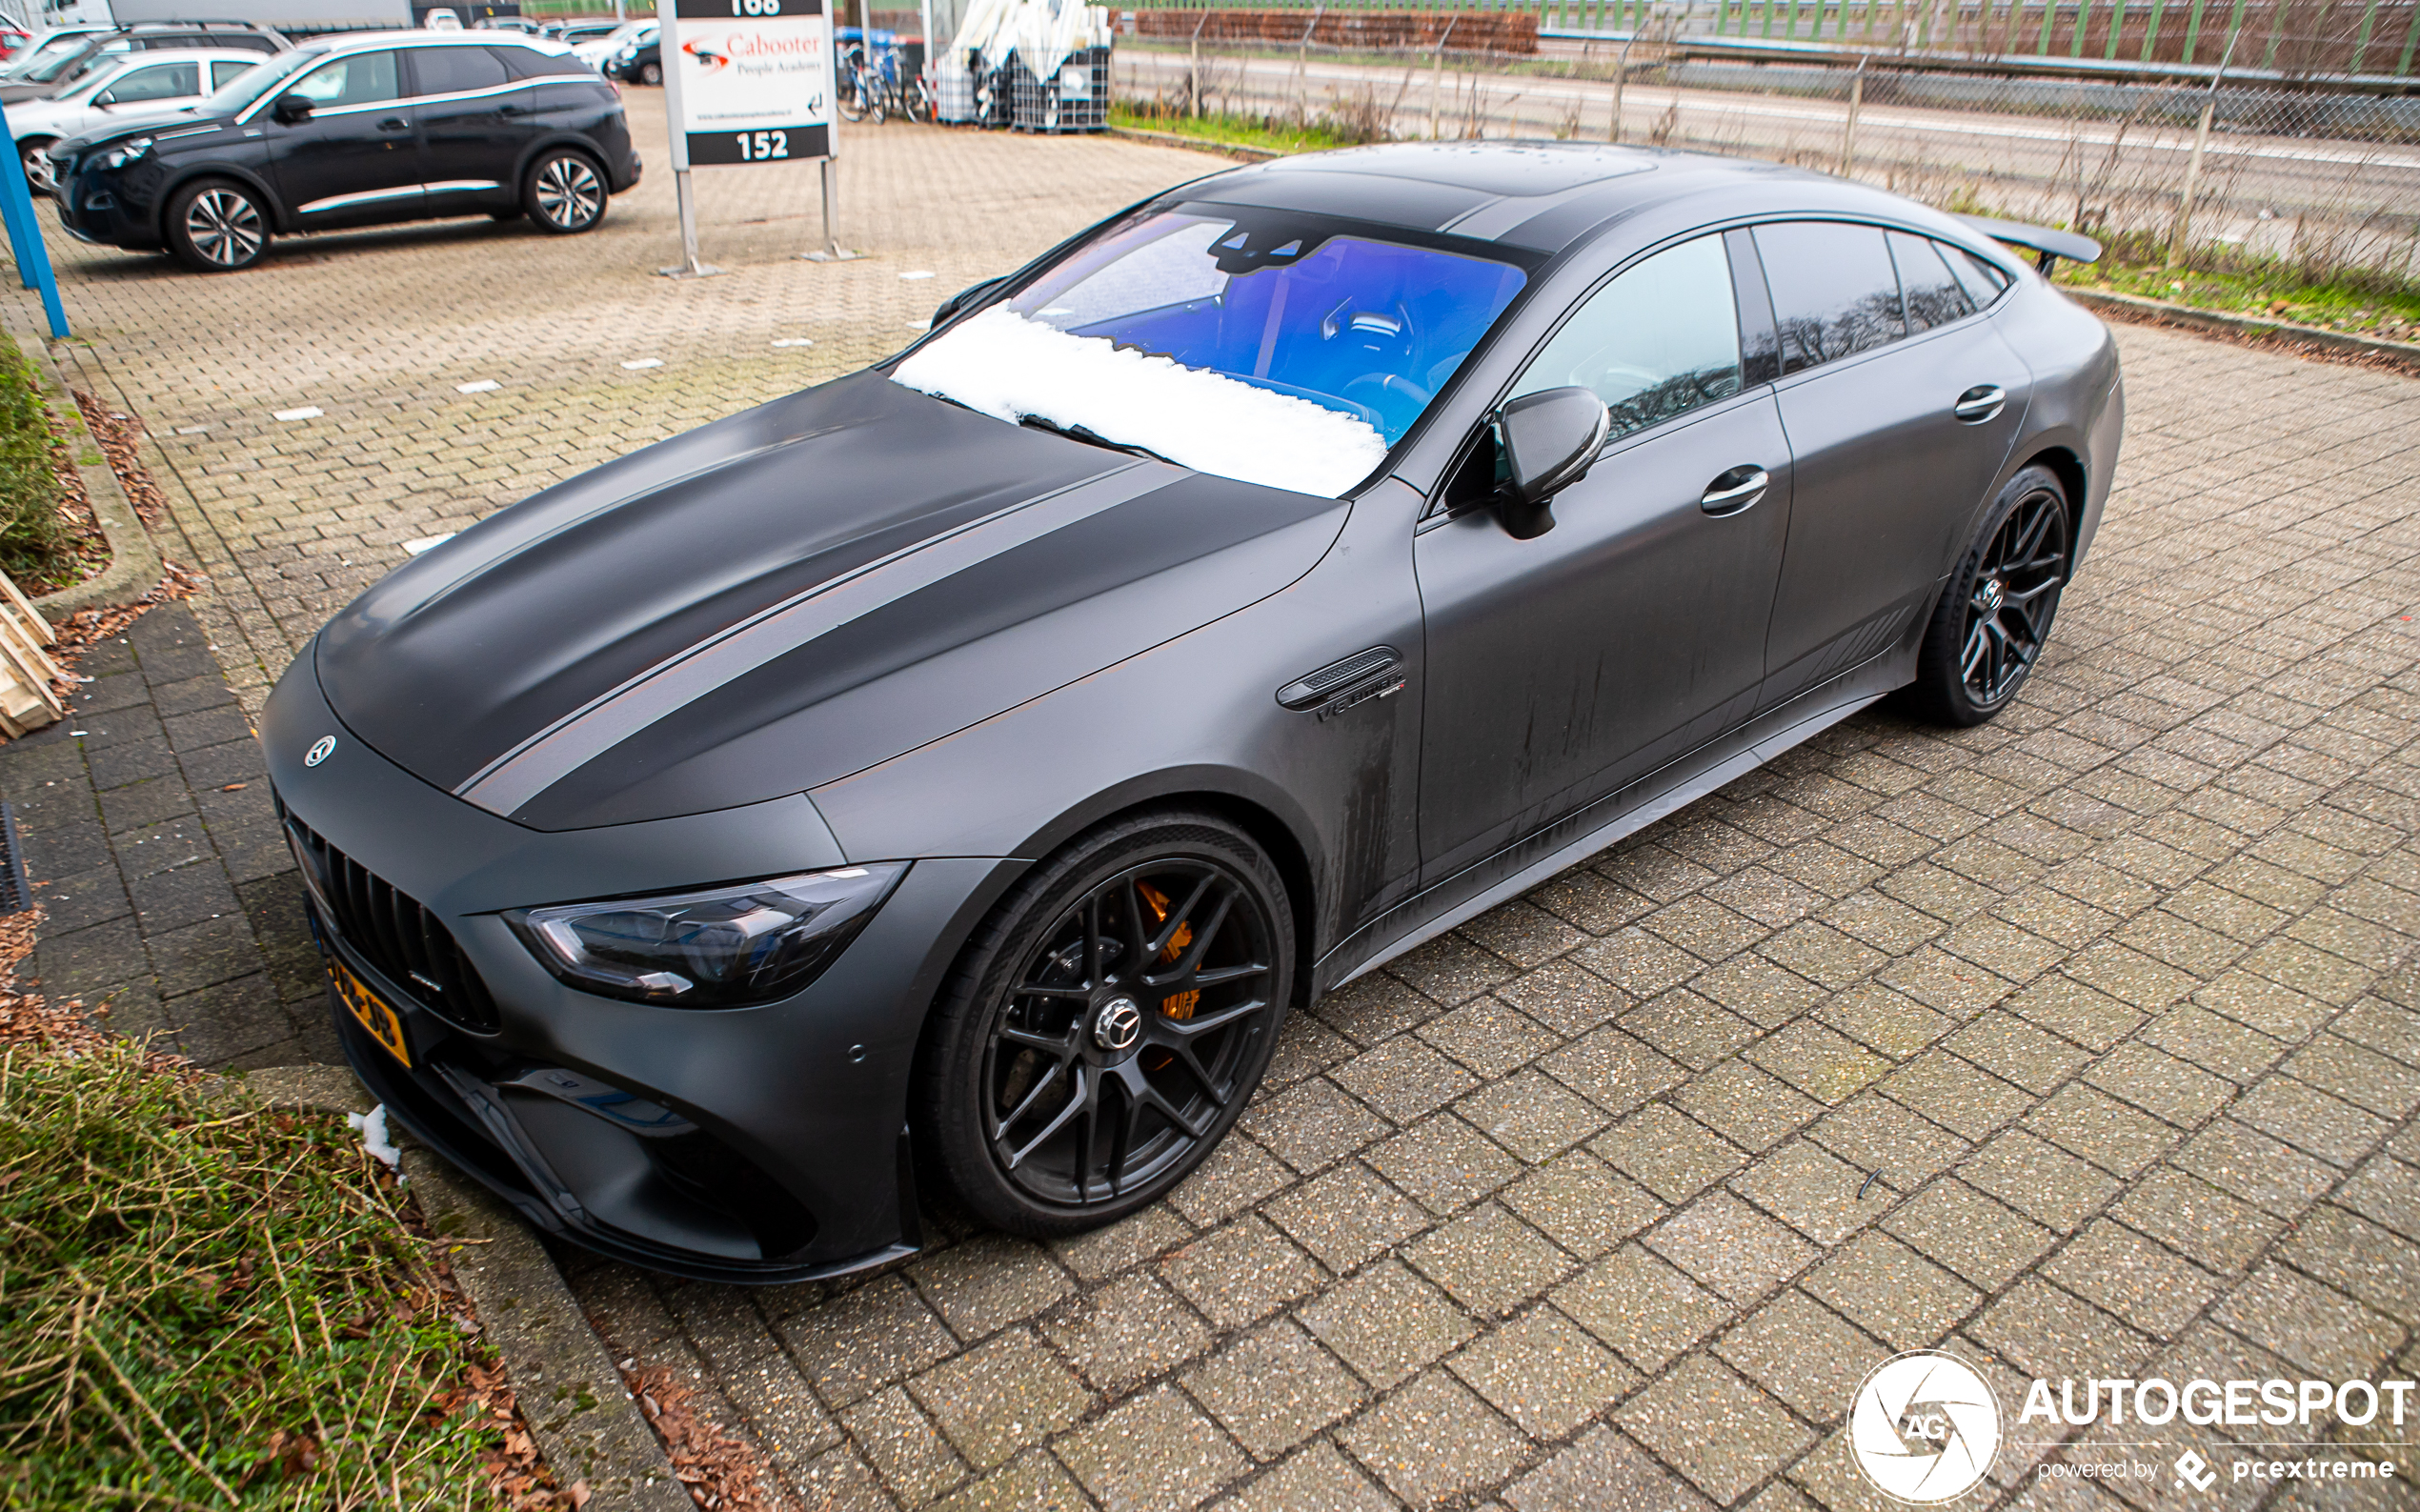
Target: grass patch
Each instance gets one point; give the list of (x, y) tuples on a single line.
[(35, 543), (1268, 133), (2370, 307), (207, 1304)]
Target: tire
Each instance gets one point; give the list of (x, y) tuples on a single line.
[(564, 194), (651, 74), (34, 153), (1053, 1110), (217, 226), (1995, 615)]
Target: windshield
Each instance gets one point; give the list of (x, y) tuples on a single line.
[(626, 30), (99, 79), (1268, 346), (51, 50), (253, 83), (56, 57)]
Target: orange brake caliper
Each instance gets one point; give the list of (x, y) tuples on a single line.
[(1176, 1005)]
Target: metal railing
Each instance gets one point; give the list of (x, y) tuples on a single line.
[(2283, 39)]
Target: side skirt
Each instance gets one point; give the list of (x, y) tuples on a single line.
[(1525, 864)]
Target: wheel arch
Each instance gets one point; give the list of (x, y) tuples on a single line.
[(279, 218), (548, 143), (2067, 465), (1258, 808)]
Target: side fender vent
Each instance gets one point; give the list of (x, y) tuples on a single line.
[(1339, 685)]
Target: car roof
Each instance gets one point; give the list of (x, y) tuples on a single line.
[(124, 61), (1540, 195), (358, 41)]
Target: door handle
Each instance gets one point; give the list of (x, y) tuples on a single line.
[(394, 123), (1980, 403), (1736, 489)]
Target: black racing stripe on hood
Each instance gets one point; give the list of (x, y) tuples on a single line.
[(950, 653), (457, 658)]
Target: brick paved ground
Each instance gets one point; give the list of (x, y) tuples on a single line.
[(2085, 1042)]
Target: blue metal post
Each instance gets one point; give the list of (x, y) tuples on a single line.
[(25, 232)]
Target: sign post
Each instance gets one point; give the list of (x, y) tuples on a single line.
[(25, 239), (745, 81)]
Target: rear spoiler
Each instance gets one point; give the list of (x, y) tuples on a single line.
[(2048, 246)]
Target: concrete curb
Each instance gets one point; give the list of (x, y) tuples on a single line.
[(1229, 150), (135, 562), (585, 1422), (2403, 354)]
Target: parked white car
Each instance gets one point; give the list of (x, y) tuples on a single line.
[(597, 49), (139, 85)]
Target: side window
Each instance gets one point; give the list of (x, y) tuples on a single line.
[(455, 71), (364, 78), (226, 71), (1933, 296), (1834, 293), (530, 63), (1658, 341), (167, 81), (1982, 281)]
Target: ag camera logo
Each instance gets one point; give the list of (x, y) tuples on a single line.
[(1924, 1427)]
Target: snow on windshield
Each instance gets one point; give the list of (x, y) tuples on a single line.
[(1010, 367), (1264, 348)]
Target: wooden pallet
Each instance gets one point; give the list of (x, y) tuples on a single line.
[(27, 701)]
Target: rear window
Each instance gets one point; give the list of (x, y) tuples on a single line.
[(455, 70), (1933, 293), (1982, 281), (529, 63), (1835, 292)]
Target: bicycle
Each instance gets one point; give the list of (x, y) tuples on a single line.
[(871, 86), (861, 92)]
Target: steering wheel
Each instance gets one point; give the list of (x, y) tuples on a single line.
[(1380, 389)]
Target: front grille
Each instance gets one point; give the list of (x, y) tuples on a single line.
[(406, 944)]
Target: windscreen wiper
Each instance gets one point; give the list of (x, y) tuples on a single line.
[(1092, 438)]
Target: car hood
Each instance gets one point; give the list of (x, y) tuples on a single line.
[(119, 127), (784, 597)]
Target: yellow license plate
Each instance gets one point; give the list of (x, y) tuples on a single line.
[(384, 1024)]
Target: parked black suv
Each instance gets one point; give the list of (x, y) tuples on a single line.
[(360, 131), (59, 64)]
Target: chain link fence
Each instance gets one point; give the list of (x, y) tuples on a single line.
[(2310, 175)]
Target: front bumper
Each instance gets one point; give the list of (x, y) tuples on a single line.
[(100, 210), (759, 1144)]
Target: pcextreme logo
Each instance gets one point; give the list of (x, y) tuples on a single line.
[(1924, 1427)]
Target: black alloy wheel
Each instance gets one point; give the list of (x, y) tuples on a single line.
[(216, 226), (566, 193), (1995, 616), (1110, 1025)]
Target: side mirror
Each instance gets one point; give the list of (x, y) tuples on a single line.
[(1550, 439), (963, 299), (291, 109)]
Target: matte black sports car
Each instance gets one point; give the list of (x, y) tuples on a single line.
[(957, 771)]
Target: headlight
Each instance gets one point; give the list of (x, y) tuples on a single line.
[(726, 947), (126, 152)]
